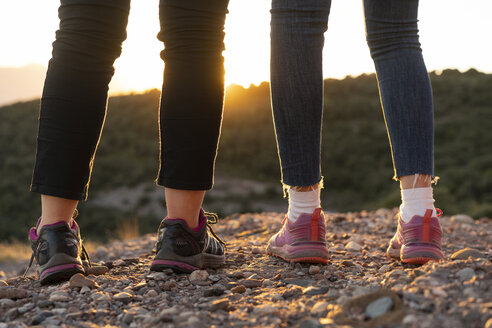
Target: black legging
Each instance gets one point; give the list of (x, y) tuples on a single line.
[(73, 105)]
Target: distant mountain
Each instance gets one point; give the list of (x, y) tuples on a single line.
[(21, 83)]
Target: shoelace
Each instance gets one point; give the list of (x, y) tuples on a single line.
[(213, 218)]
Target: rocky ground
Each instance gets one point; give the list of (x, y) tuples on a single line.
[(359, 287)]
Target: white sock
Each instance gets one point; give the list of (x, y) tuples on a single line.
[(303, 202), (415, 202)]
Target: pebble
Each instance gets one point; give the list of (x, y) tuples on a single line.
[(299, 282), (310, 291), (221, 304), (466, 253), (251, 283), (97, 270), (39, 318), (465, 274), (123, 297), (169, 313), (3, 283), (353, 246), (13, 293), (59, 297), (379, 307), (309, 323), (265, 309), (314, 269), (26, 307), (488, 324), (239, 289), (151, 293), (462, 218), (198, 275), (319, 307), (79, 280)]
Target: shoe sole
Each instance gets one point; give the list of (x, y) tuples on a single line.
[(415, 254), (60, 267), (188, 264), (300, 254)]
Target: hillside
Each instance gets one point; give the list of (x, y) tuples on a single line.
[(356, 161)]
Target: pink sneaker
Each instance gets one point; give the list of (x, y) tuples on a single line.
[(301, 241), (417, 241)]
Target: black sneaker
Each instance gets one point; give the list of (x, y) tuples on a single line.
[(186, 250), (58, 251)]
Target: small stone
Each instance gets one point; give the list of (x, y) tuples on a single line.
[(85, 289), (265, 309), (379, 307), (309, 323), (169, 314), (221, 304), (59, 297), (13, 293), (215, 290), (257, 250), (410, 319), (79, 280), (466, 253), (251, 283), (97, 270), (41, 317), (384, 268), (348, 263), (239, 289), (488, 324), (314, 269), (158, 276), (151, 293), (353, 246), (6, 302), (3, 283), (123, 297), (320, 307), (26, 307), (119, 262), (465, 274), (214, 277), (299, 282), (310, 291), (462, 218), (198, 275)]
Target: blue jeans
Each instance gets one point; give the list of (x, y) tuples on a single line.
[(297, 85)]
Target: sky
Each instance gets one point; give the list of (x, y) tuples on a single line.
[(453, 33)]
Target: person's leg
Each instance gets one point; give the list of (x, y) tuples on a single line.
[(73, 109), (297, 40), (190, 120), (406, 97)]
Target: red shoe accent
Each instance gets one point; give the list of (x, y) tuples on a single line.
[(426, 226), (314, 224)]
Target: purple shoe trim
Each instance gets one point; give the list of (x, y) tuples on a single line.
[(201, 221), (33, 235), (60, 268), (181, 265)]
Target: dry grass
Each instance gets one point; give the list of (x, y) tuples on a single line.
[(128, 230), (14, 252)]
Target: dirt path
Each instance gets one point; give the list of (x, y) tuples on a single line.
[(255, 290)]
